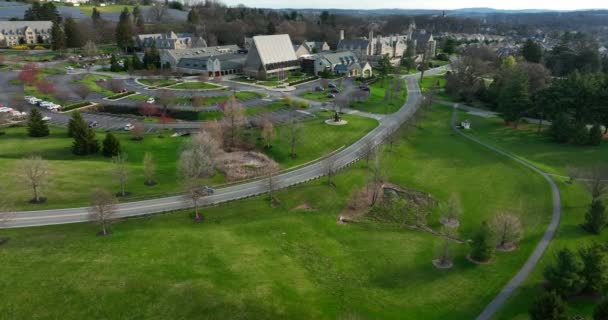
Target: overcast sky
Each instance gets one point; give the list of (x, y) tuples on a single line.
[(424, 4)]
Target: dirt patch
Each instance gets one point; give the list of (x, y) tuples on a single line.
[(507, 247), (444, 266), (360, 203), (304, 207), (241, 165), (478, 262)]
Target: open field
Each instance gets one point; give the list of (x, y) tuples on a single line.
[(378, 102), (158, 82), (553, 158), (196, 86), (249, 260), (90, 80), (73, 177)]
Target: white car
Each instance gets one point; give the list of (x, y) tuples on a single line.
[(69, 68), (46, 118), (5, 109), (129, 127), (33, 100), (150, 100), (27, 98), (46, 104)]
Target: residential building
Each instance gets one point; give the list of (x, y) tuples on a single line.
[(311, 47), (343, 63), (24, 32), (169, 41), (271, 55), (373, 48)]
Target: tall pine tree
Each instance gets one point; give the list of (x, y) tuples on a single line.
[(57, 37), (514, 98), (124, 30), (36, 127), (73, 38)]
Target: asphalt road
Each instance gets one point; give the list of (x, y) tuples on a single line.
[(341, 159)]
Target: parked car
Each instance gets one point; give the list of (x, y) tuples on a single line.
[(208, 190), (331, 85), (124, 91), (93, 124), (128, 127), (5, 109), (101, 80), (150, 100), (334, 90), (331, 96), (319, 89), (46, 118), (366, 89), (69, 68)]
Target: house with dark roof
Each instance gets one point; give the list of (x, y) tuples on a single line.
[(213, 66), (424, 43), (172, 57), (343, 63), (169, 41), (372, 48), (311, 47), (24, 32), (271, 55)]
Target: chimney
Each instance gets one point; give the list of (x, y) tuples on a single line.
[(341, 35)]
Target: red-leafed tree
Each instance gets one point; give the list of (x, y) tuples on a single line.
[(29, 73), (165, 119), (148, 110)]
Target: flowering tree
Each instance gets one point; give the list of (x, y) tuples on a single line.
[(45, 87), (29, 73), (148, 110)]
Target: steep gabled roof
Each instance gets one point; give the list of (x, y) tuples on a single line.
[(274, 48), (353, 43)]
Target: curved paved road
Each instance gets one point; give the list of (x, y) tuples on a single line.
[(342, 159), (533, 259)]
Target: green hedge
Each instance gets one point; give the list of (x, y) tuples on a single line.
[(75, 106), (303, 80), (121, 95)]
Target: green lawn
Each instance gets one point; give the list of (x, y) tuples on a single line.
[(317, 96), (88, 9), (196, 86), (377, 102), (554, 158), (158, 82), (90, 80), (438, 82), (73, 176), (252, 261)]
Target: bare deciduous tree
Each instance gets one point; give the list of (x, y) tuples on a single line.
[(196, 161), (507, 229), (33, 172), (444, 256), (270, 173), (294, 134), (165, 98), (121, 173), (149, 169), (138, 131), (233, 120), (367, 151), (452, 212), (329, 169), (157, 12), (596, 180), (267, 133), (103, 208), (116, 85), (375, 177), (82, 91)]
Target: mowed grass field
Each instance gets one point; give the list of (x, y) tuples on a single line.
[(553, 158), (73, 177), (378, 102), (249, 260)]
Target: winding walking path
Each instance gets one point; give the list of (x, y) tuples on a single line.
[(533, 259)]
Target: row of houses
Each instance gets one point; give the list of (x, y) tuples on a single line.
[(24, 32)]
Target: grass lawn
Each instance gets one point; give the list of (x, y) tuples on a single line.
[(553, 158), (376, 102), (90, 80), (317, 96), (253, 261), (196, 86), (439, 82), (87, 9), (157, 82), (73, 176)]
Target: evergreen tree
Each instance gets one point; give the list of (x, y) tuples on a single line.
[(483, 245), (48, 11), (138, 18), (111, 146), (596, 218), (548, 306), (95, 16), (565, 274), (84, 137), (57, 37), (580, 134), (595, 135), (152, 57), (560, 130), (124, 30), (270, 28), (601, 310), (449, 47), (114, 66), (595, 272), (514, 98), (193, 16), (136, 63), (33, 12), (384, 67), (73, 39), (36, 127), (74, 122), (532, 52)]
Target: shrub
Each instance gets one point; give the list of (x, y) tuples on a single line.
[(548, 306), (36, 127), (595, 218), (595, 135), (564, 275), (483, 245), (580, 134), (111, 146), (560, 130)]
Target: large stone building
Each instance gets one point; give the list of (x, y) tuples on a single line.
[(311, 47), (373, 48), (24, 32), (424, 43), (213, 66), (173, 57), (270, 56), (169, 41)]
